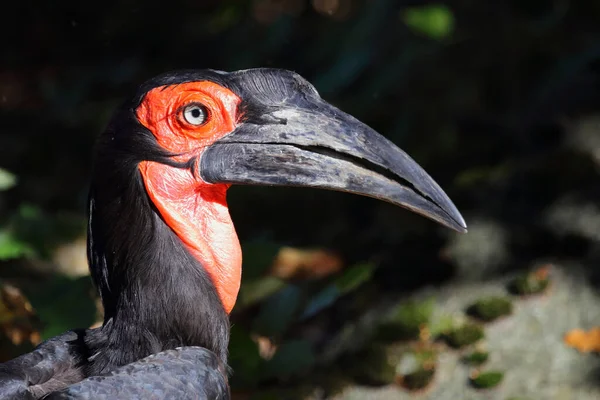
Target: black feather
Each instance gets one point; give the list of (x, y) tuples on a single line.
[(183, 373)]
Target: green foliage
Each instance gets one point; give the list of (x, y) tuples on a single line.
[(406, 320), (30, 232), (487, 380), (64, 304), (435, 20), (293, 358), (253, 292), (277, 312), (244, 358), (7, 180), (353, 277), (11, 247), (350, 280), (323, 299)]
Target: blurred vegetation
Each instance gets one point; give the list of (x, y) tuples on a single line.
[(497, 100)]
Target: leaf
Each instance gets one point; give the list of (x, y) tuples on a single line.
[(278, 311), (244, 358), (257, 290), (11, 247), (305, 263), (353, 277), (435, 20), (44, 232), (7, 180), (584, 341), (321, 300), (292, 358), (350, 280)]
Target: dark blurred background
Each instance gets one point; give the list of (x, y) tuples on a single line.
[(497, 100)]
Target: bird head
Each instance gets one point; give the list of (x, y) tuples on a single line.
[(193, 134)]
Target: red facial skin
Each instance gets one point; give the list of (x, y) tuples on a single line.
[(195, 210)]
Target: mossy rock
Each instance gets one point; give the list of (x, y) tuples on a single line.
[(418, 380), (490, 308), (464, 335), (487, 380), (476, 358), (390, 331), (529, 284), (406, 321), (371, 366)]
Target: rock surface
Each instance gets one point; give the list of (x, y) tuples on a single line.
[(528, 346)]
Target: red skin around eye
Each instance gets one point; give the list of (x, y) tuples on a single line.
[(195, 210)]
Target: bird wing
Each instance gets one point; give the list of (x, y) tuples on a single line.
[(182, 373), (53, 365)]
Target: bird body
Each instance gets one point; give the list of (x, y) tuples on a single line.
[(52, 371), (182, 373), (162, 249)]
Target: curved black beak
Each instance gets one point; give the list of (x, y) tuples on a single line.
[(315, 144)]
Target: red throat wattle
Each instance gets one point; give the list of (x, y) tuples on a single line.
[(195, 210)]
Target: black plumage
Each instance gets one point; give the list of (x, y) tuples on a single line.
[(182, 373)]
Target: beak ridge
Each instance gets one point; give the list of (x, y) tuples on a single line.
[(320, 146)]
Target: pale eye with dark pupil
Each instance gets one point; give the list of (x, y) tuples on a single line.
[(195, 114)]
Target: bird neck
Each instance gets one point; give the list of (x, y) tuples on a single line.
[(156, 290), (197, 212)]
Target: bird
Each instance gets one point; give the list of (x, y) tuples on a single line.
[(162, 249)]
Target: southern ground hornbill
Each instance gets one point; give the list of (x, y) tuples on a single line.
[(162, 249)]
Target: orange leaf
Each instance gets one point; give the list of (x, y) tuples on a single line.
[(584, 341), (543, 272), (292, 263)]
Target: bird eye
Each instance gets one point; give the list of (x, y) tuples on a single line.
[(195, 114)]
